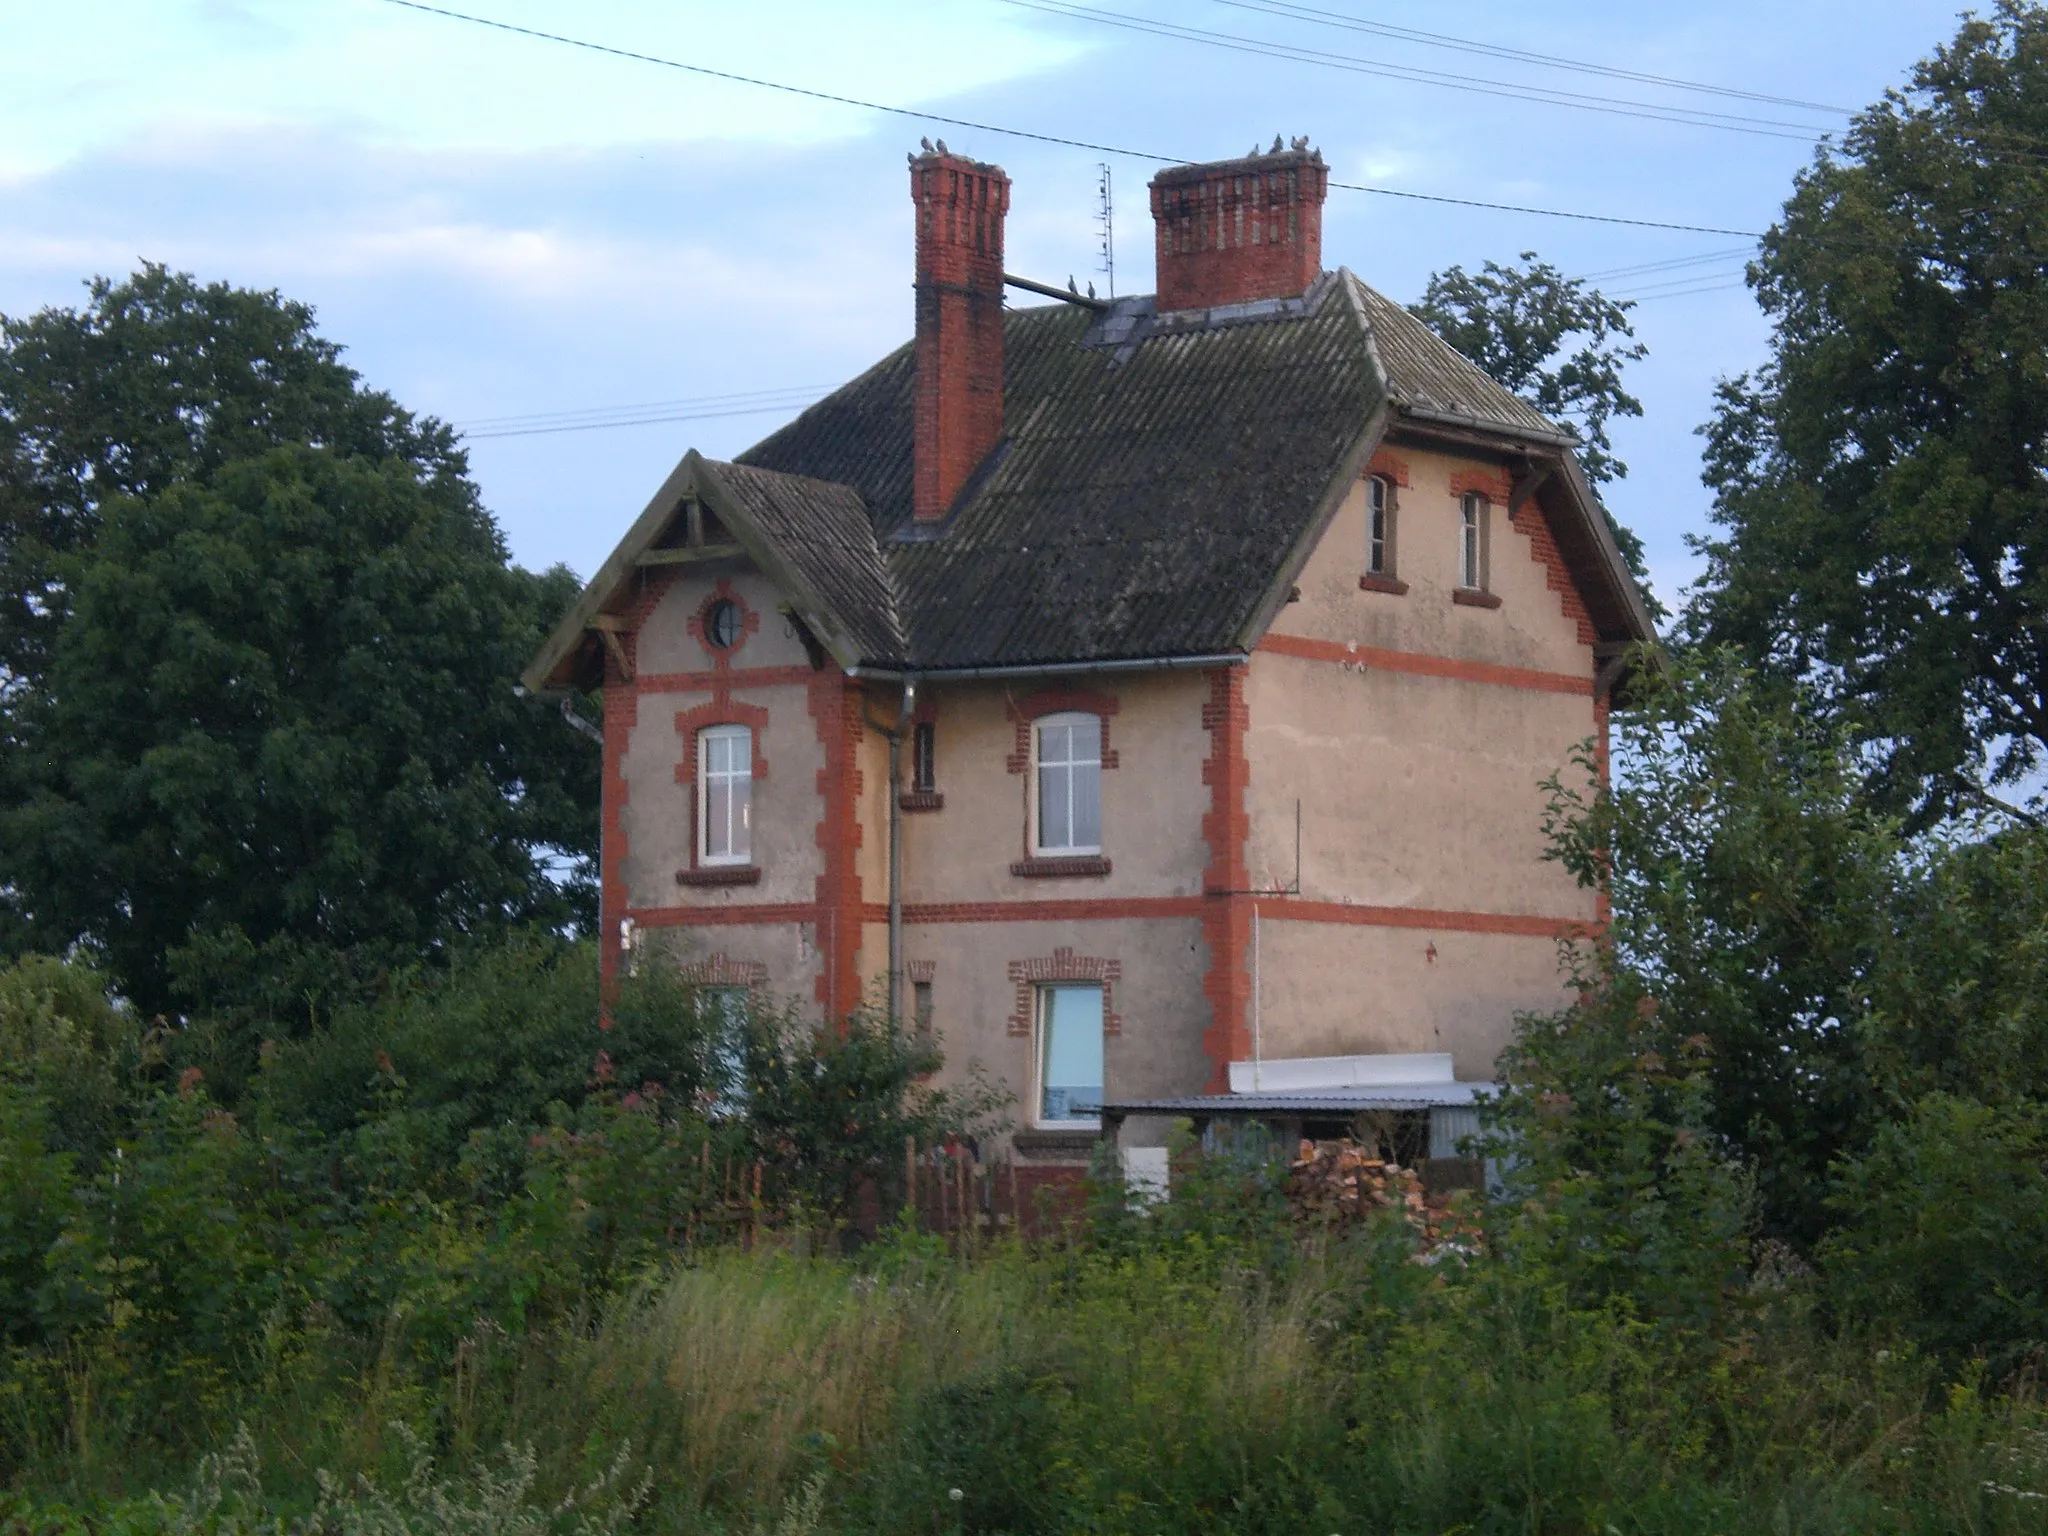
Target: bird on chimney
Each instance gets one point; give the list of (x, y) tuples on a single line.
[(927, 143), (1276, 145), (942, 148), (1302, 142), (1252, 153)]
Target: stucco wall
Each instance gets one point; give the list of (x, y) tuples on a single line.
[(665, 644), (1157, 993), (1415, 791), (1152, 801), (1327, 989), (1530, 628), (657, 815)]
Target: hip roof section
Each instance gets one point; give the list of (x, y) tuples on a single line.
[(1160, 480)]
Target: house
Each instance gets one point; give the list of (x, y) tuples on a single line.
[(1140, 687)]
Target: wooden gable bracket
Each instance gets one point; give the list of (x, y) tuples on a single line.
[(1531, 482), (608, 627)]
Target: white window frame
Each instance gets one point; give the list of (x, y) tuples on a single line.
[(1472, 521), (1071, 763), (1379, 526), (1041, 1047), (739, 850)]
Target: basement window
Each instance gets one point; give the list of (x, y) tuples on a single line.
[(1070, 1055), (1068, 817), (725, 795)]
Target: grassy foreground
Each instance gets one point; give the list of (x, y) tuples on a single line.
[(1130, 1387)]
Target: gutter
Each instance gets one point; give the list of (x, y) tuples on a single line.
[(1053, 668)]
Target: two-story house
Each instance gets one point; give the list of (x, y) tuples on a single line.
[(1136, 686)]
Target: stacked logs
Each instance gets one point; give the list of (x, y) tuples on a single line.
[(1343, 1183)]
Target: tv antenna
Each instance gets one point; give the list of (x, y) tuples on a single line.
[(1106, 216)]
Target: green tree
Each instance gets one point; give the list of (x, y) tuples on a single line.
[(159, 379), (1833, 969), (276, 747), (1881, 485), (1517, 323)]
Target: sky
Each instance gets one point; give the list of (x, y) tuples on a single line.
[(503, 230)]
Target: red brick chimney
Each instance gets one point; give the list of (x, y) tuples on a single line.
[(1237, 230), (960, 208)]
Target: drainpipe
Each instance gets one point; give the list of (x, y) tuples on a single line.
[(895, 734)]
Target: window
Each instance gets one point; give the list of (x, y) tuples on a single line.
[(924, 757), (722, 624), (1069, 751), (921, 1011), (1472, 543), (725, 794), (1070, 1054), (725, 1069), (1379, 531)]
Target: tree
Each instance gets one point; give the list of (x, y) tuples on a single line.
[(1832, 969), (276, 747), (160, 379), (1516, 322), (1881, 485)]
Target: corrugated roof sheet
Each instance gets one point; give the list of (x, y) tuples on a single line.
[(823, 529), (1425, 371), (1145, 497), (1157, 475)]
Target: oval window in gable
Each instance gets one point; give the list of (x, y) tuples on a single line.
[(722, 624)]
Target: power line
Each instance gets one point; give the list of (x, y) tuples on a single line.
[(1026, 134), (1310, 14), (1691, 117), (1685, 293), (637, 421), (1665, 266), (775, 398)]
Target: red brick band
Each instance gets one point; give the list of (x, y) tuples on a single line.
[(1370, 657), (1110, 909)]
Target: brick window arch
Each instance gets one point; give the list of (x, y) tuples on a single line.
[(1063, 964)]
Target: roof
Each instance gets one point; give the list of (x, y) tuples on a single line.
[(1318, 1101), (1161, 482)]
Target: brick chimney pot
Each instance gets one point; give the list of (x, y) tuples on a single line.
[(1233, 231), (960, 209)]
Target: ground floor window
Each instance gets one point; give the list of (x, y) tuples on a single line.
[(1070, 1054), (725, 1011)]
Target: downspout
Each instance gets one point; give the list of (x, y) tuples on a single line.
[(895, 735)]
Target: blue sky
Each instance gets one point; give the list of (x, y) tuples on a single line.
[(497, 226)]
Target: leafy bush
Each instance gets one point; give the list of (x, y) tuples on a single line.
[(1943, 1231)]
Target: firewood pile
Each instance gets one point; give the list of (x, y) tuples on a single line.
[(1341, 1183)]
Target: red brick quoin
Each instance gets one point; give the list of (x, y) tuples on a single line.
[(1064, 965), (1226, 918)]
